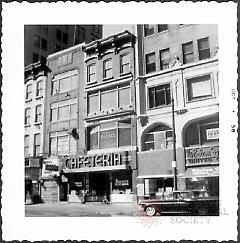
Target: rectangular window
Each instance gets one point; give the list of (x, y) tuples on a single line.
[(162, 27), (26, 145), (148, 29), (188, 52), (109, 100), (27, 116), (124, 133), (199, 87), (65, 82), (93, 103), (38, 113), (164, 59), (39, 89), (37, 144), (44, 44), (150, 63), (64, 110), (107, 68), (28, 92), (62, 144), (203, 48), (159, 96), (124, 96), (91, 73), (125, 63)]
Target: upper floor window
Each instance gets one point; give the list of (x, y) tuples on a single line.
[(150, 63), (65, 82), (44, 44), (39, 89), (37, 41), (62, 143), (203, 48), (164, 59), (125, 63), (64, 110), (26, 145), (109, 99), (38, 113), (162, 27), (35, 57), (37, 144), (160, 137), (59, 34), (159, 96), (91, 73), (109, 135), (107, 68), (28, 92), (27, 116), (199, 87), (188, 52), (148, 29)]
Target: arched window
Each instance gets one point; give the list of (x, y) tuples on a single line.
[(160, 137)]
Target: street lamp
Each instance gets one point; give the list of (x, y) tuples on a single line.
[(174, 161)]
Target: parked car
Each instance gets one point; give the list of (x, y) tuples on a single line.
[(194, 202)]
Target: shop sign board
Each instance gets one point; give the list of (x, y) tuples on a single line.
[(95, 162), (205, 172), (51, 167), (121, 182), (212, 133), (202, 155)]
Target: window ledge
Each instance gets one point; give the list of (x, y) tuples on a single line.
[(39, 97), (159, 107), (106, 79), (125, 74), (200, 99), (37, 123), (28, 100), (27, 125), (91, 83)]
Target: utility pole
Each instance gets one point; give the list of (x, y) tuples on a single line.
[(174, 161)]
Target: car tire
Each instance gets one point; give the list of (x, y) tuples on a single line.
[(150, 211), (202, 211)]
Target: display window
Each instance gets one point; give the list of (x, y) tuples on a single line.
[(122, 182)]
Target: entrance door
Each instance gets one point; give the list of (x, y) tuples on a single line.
[(99, 186)]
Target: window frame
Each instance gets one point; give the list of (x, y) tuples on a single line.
[(122, 65), (35, 146), (162, 61), (204, 49), (185, 54), (154, 96), (91, 74), (203, 97), (162, 30), (149, 64), (28, 92), (26, 146), (38, 113), (148, 31), (105, 69), (39, 89), (57, 105), (27, 116)]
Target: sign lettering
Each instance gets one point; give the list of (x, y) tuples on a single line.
[(212, 133)]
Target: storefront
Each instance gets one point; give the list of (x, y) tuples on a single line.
[(99, 177), (202, 155)]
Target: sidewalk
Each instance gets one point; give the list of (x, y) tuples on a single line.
[(64, 209)]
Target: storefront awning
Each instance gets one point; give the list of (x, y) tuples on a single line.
[(207, 171)]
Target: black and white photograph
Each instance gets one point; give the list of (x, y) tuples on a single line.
[(119, 123)]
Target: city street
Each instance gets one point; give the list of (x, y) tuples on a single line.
[(78, 210)]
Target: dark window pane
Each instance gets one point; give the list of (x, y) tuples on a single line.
[(188, 52), (94, 140), (65, 38), (35, 57), (164, 59), (162, 27), (150, 63), (203, 48), (148, 29), (36, 41), (151, 93), (44, 44), (108, 138)]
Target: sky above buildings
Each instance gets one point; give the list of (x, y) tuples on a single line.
[(111, 29)]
